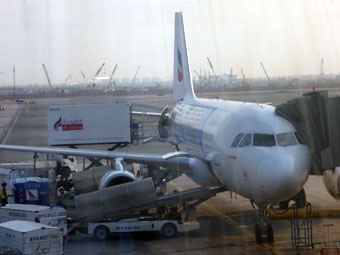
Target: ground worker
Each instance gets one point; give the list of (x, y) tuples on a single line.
[(173, 207), (62, 198), (3, 194)]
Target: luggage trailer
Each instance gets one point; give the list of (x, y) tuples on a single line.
[(165, 222)]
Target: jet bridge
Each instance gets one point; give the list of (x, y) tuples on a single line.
[(316, 118)]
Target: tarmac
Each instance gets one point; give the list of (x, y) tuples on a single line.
[(227, 220), (9, 113)]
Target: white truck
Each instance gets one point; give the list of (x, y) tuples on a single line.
[(168, 228), (89, 124)]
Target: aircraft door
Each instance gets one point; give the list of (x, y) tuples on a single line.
[(163, 123), (242, 165)]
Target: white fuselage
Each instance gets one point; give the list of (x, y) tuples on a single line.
[(208, 127)]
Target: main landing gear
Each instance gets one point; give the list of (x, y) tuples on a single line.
[(263, 230)]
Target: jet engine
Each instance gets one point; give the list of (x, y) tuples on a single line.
[(202, 174), (331, 179), (117, 176)]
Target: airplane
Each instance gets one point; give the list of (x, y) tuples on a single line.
[(245, 147)]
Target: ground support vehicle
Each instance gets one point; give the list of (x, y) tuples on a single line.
[(168, 228)]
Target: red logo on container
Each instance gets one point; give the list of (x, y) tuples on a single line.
[(68, 125), (32, 195)]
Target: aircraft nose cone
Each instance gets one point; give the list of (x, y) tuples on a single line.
[(280, 177)]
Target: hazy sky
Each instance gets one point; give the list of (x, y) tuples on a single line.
[(288, 36)]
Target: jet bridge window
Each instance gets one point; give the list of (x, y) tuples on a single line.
[(264, 140), (285, 139), (237, 140), (246, 141)]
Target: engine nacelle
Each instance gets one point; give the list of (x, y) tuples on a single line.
[(331, 179), (115, 177), (202, 174)]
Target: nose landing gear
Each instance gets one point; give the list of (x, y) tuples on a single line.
[(263, 230)]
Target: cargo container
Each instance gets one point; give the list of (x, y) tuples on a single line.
[(53, 216), (89, 124), (35, 190), (31, 237)]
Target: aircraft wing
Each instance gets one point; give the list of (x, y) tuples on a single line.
[(180, 160)]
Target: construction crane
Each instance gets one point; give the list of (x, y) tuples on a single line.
[(13, 79), (68, 78), (82, 73), (99, 70), (199, 77), (206, 77), (134, 78), (48, 78), (112, 74), (264, 69), (212, 68), (96, 74), (322, 73), (231, 77), (243, 76)]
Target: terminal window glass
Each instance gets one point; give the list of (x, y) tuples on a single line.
[(285, 139), (237, 140), (246, 141), (264, 140)]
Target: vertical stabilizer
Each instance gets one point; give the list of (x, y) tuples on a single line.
[(183, 88)]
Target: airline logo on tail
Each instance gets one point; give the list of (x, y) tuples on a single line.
[(180, 67)]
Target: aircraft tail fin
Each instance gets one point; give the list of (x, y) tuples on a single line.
[(182, 87)]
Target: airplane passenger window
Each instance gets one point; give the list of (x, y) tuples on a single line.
[(246, 141), (237, 140), (299, 138), (285, 139), (264, 140)]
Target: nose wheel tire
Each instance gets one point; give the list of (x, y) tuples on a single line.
[(258, 234), (268, 232), (263, 230)]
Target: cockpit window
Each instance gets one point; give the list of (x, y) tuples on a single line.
[(264, 140), (246, 141), (237, 140), (285, 139), (299, 138)]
